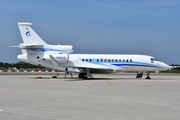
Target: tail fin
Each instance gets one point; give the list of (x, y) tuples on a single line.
[(28, 35)]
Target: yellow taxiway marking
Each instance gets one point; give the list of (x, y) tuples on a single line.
[(111, 83)]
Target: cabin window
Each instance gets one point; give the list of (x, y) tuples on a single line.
[(101, 60), (130, 60), (127, 60), (123, 60), (109, 60), (90, 60), (97, 60), (112, 60), (119, 60), (104, 60), (116, 60), (86, 60), (83, 60)]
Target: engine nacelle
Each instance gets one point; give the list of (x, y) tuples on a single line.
[(60, 58), (65, 49)]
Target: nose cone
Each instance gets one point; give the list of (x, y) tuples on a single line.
[(165, 66)]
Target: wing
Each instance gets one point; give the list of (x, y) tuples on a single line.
[(93, 67), (100, 68)]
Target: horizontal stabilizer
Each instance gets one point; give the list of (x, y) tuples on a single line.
[(16, 46), (27, 24), (25, 45), (30, 45)]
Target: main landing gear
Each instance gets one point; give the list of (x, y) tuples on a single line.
[(82, 75), (85, 75), (140, 75)]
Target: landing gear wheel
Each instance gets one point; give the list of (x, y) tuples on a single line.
[(147, 77), (54, 76), (139, 75), (82, 75)]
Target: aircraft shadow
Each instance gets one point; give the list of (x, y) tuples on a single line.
[(85, 79), (90, 79)]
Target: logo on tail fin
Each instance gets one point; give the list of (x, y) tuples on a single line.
[(28, 33)]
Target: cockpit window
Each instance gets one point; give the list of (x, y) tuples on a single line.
[(153, 59)]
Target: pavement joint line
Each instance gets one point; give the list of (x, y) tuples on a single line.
[(111, 83)]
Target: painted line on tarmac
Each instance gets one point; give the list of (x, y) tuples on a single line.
[(111, 83), (145, 86), (1, 110), (43, 79)]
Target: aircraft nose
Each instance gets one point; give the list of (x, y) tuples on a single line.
[(170, 67), (166, 66)]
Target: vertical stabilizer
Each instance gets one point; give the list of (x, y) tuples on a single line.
[(28, 35)]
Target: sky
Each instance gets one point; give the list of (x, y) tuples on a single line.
[(150, 27)]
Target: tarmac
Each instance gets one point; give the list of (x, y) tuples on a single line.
[(37, 96)]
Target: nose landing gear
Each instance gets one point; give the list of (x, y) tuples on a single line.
[(148, 77)]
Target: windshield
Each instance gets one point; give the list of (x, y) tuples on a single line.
[(153, 59)]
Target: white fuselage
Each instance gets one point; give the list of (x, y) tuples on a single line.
[(96, 62)]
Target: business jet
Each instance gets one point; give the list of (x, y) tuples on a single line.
[(59, 57)]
